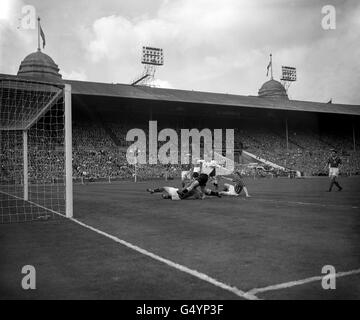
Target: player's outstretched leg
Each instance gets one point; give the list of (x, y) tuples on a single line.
[(246, 192), (200, 181), (155, 190), (225, 190), (184, 193), (209, 192)]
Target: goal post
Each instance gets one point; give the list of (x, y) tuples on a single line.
[(35, 150), (68, 152), (26, 165)]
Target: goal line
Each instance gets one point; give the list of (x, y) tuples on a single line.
[(32, 211)]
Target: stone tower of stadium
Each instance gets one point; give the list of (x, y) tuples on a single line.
[(39, 66), (273, 89)]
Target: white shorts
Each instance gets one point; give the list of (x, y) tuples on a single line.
[(230, 191), (172, 192), (333, 172), (197, 169), (185, 175)]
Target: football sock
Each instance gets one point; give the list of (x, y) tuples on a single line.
[(338, 185)]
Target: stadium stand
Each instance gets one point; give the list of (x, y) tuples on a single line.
[(97, 157), (104, 112)]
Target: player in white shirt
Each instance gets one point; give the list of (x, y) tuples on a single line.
[(173, 193), (168, 192), (187, 175)]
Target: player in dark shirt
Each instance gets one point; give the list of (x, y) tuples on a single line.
[(201, 181), (234, 190), (333, 164)]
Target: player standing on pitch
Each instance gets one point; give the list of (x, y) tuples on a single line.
[(333, 164)]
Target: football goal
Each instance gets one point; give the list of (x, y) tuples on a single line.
[(35, 150)]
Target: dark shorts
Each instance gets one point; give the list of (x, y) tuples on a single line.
[(238, 188), (203, 179)]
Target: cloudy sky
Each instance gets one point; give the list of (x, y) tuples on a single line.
[(209, 45)]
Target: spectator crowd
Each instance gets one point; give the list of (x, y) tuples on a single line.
[(100, 155)]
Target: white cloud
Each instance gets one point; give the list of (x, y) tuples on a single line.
[(74, 75), (209, 45), (5, 7), (162, 84), (14, 41)]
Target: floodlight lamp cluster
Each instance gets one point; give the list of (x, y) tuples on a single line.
[(153, 56), (151, 59), (288, 73)]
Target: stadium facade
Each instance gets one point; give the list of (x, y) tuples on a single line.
[(271, 112)]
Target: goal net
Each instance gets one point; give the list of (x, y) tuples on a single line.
[(35, 151)]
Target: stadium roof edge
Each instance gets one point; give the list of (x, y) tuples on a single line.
[(199, 97)]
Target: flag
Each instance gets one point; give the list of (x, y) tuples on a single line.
[(330, 101), (42, 34), (268, 68)]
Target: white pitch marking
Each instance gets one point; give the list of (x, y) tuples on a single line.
[(308, 203), (250, 295), (290, 284), (195, 273), (33, 203)]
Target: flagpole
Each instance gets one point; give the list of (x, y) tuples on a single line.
[(39, 34), (271, 66)]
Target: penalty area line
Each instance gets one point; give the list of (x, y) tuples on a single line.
[(290, 284), (306, 203), (179, 267)]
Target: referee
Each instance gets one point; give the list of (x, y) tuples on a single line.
[(333, 164)]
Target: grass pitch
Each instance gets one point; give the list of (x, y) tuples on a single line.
[(288, 230)]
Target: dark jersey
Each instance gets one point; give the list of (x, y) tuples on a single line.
[(203, 179), (334, 162)]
